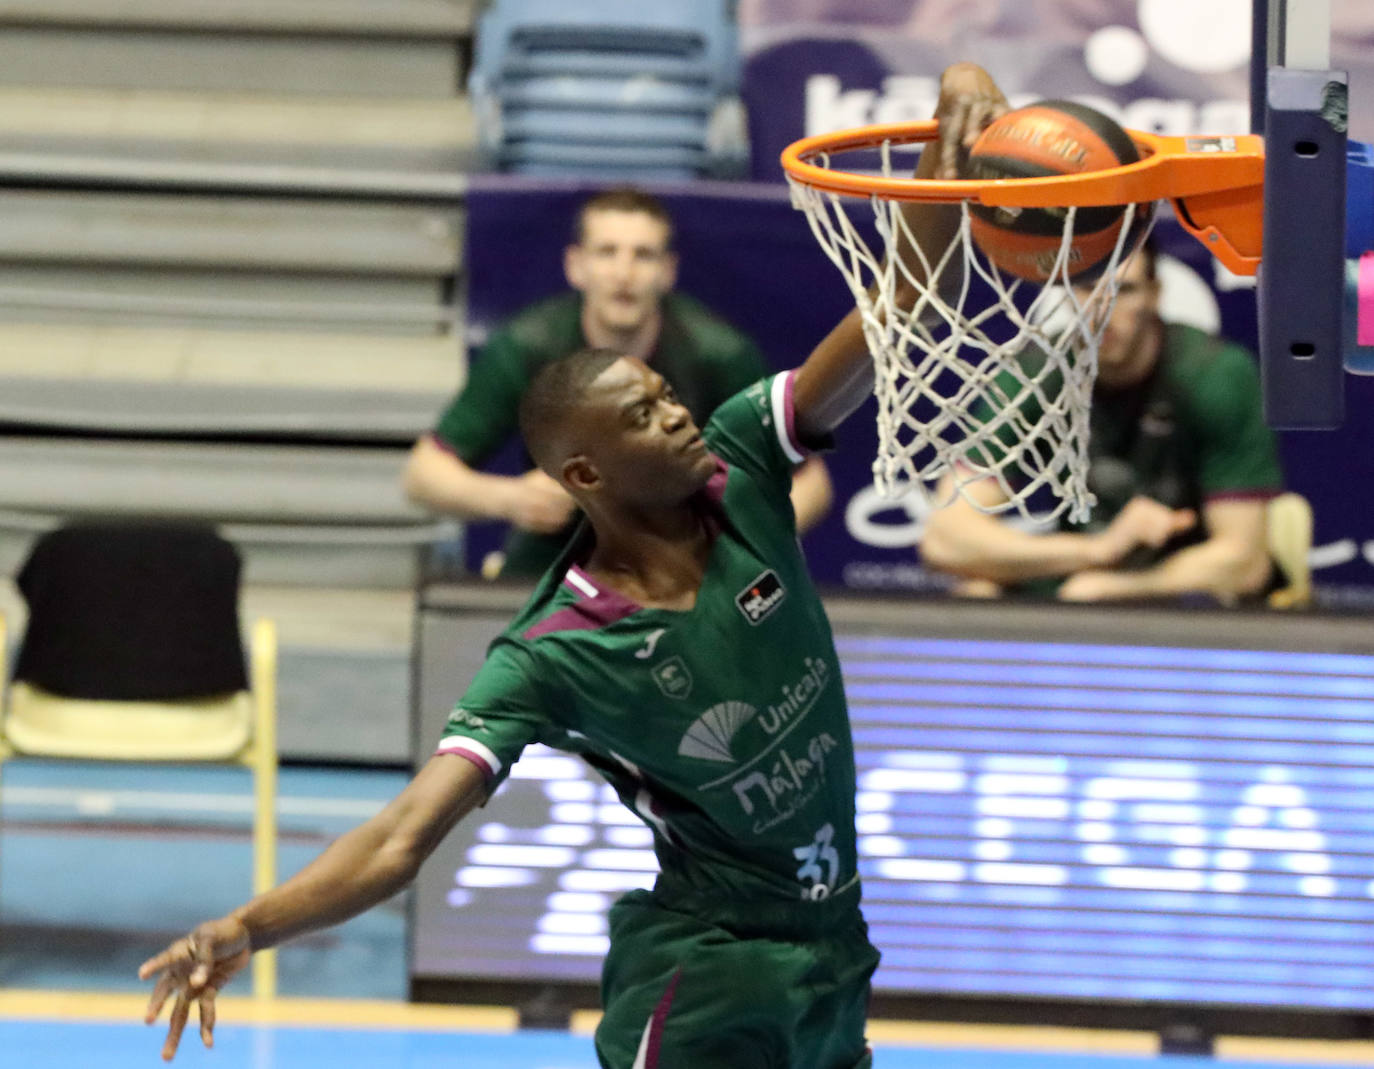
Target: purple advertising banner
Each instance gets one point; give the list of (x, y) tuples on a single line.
[(751, 257), (1176, 67)]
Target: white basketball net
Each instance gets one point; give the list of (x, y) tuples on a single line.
[(956, 394)]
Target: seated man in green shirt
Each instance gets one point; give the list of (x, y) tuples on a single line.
[(1182, 464), (622, 268)]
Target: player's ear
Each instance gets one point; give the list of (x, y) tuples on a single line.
[(580, 474), (574, 266)]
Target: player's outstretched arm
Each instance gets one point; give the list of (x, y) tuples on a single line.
[(360, 869), (838, 375)]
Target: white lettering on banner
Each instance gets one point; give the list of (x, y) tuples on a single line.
[(828, 107), (902, 98), (1116, 817), (864, 518)]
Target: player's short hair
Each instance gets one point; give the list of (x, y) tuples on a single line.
[(622, 199), (556, 391)]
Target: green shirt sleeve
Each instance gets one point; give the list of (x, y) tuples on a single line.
[(500, 714), (1238, 452), (754, 430), (484, 414)]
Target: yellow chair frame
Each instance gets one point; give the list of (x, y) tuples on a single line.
[(239, 729), (1289, 530)]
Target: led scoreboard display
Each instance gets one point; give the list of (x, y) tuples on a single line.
[(1053, 804)]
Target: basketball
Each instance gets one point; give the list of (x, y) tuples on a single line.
[(1051, 137)]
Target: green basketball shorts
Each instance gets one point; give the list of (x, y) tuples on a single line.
[(684, 992)]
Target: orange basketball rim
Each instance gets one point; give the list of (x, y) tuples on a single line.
[(1216, 184)]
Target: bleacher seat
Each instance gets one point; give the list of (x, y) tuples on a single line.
[(615, 89)]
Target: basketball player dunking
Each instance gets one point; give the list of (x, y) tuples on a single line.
[(730, 738)]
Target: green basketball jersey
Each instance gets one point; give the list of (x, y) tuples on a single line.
[(723, 727)]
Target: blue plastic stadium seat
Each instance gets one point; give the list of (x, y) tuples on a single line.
[(622, 88), (579, 130)]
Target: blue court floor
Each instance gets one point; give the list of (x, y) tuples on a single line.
[(100, 866), (59, 1045)]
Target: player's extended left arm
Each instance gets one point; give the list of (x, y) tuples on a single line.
[(1231, 563), (358, 870), (838, 375)]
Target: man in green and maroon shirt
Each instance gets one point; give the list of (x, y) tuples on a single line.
[(716, 711), (1181, 462), (679, 646), (621, 268)]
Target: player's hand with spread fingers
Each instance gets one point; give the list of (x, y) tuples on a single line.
[(969, 101), (194, 969)]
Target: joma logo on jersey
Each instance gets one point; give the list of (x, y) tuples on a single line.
[(761, 597), (472, 720)]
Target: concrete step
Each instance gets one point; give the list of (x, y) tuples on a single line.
[(449, 19), (225, 58), (238, 233), (169, 380), (222, 482), (233, 127)]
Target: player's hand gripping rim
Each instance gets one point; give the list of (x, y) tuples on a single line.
[(195, 968)]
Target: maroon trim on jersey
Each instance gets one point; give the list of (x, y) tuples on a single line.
[(433, 436), (457, 750), (595, 609), (715, 485), (1243, 495), (656, 1023)]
